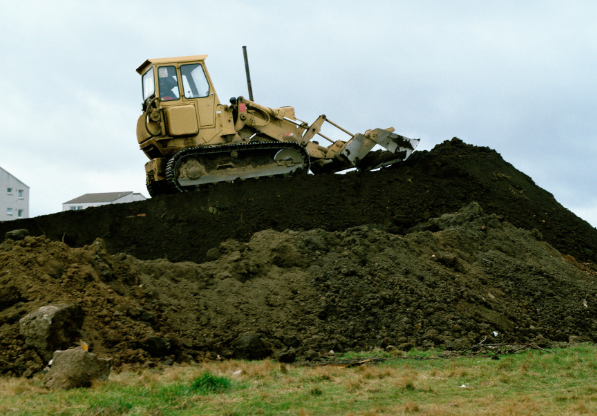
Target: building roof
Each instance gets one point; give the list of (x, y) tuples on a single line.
[(13, 176), (101, 197)]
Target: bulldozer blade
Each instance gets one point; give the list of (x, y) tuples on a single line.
[(360, 145), (381, 158)]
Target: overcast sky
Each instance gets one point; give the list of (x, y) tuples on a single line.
[(519, 77)]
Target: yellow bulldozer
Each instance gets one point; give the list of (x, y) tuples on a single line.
[(192, 140)]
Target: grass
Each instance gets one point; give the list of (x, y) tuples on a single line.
[(531, 383)]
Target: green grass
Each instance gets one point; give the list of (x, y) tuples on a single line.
[(208, 383), (529, 383)]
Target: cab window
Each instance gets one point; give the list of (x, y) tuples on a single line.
[(168, 83), (194, 81), (148, 84)]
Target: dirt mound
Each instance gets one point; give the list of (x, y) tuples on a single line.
[(185, 227), (291, 293)]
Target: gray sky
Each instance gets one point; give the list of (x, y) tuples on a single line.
[(516, 76)]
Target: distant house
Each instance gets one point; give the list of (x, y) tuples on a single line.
[(14, 197), (106, 198)]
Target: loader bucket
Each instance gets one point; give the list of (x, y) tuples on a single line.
[(398, 148)]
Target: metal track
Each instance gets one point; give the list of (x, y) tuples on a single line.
[(158, 188), (173, 163)]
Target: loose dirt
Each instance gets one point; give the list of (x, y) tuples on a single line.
[(184, 227), (401, 257), (300, 294)]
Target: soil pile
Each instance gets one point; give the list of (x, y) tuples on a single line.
[(448, 282), (184, 227)]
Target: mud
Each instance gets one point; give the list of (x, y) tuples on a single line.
[(449, 282), (185, 227)]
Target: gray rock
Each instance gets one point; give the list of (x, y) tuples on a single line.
[(17, 234), (51, 328), (76, 367)]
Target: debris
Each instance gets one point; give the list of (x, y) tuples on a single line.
[(327, 286)]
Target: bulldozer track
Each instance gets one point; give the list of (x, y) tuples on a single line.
[(212, 150), (158, 188)]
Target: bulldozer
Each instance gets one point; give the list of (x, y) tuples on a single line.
[(193, 141)]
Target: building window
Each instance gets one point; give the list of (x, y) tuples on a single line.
[(9, 191), (21, 193), (77, 208), (8, 211), (20, 213)]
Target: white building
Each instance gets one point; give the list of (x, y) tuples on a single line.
[(14, 197), (95, 200)]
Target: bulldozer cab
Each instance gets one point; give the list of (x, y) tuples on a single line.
[(182, 89)]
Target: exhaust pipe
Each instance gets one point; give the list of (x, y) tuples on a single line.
[(248, 74)]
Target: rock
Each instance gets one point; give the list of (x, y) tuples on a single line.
[(76, 367), (250, 346), (213, 254), (51, 328), (17, 234)]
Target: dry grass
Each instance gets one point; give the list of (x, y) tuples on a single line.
[(525, 384)]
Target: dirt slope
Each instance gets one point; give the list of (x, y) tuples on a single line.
[(289, 294), (184, 227)]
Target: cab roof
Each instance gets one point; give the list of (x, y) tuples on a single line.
[(176, 60)]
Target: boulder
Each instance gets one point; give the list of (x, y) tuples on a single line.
[(16, 234), (76, 367), (51, 328)]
